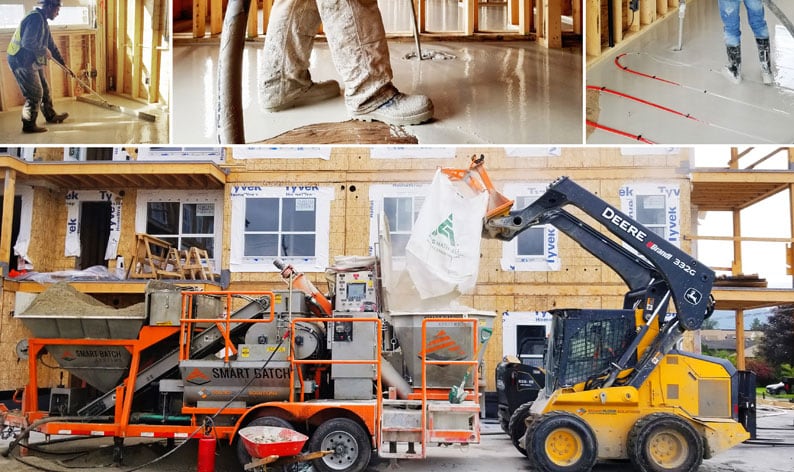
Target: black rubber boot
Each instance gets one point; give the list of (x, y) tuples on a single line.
[(766, 61), (29, 126), (57, 118), (733, 71)]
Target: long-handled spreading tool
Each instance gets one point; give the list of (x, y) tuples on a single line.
[(681, 15), (101, 100), (780, 16)]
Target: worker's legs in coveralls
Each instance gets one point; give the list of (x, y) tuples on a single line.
[(356, 38), (32, 84)]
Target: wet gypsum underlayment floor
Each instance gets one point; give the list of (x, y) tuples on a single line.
[(506, 92), (91, 124), (686, 98)]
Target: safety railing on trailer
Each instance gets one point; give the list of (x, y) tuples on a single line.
[(376, 361), (425, 362), (224, 322)]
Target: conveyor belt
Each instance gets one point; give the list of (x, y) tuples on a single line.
[(206, 342)]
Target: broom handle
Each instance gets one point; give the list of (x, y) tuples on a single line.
[(75, 77)]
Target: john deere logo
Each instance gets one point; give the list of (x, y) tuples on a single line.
[(197, 377)]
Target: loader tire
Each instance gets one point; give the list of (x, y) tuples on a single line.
[(242, 454), (517, 426), (561, 442), (661, 442), (350, 442)]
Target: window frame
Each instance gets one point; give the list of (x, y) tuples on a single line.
[(29, 5), (551, 259), (145, 197), (377, 195), (671, 191), (239, 195)]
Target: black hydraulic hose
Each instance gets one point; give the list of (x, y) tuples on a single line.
[(229, 121), (26, 432)]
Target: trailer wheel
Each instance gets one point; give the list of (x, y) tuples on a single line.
[(242, 454), (561, 442), (517, 426), (351, 444), (662, 442)]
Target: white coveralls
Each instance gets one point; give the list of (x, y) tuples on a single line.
[(357, 40)]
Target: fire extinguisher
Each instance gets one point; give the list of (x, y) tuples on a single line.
[(206, 449)]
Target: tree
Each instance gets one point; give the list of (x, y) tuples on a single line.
[(709, 323), (764, 373), (757, 325), (777, 345)]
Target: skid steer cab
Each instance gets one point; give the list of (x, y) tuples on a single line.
[(615, 386)]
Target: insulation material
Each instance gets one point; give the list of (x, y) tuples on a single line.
[(531, 151), (25, 222), (73, 200), (443, 252), (536, 249), (308, 198), (411, 152), (282, 152), (655, 205)]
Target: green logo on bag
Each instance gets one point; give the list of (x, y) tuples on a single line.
[(445, 229)]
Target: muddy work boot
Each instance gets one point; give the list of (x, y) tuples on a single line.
[(317, 92), (401, 109), (57, 118), (766, 61), (733, 71)]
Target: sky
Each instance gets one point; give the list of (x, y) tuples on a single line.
[(769, 218)]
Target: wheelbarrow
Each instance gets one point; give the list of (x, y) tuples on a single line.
[(275, 446)]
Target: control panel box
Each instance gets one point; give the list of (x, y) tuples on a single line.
[(356, 291)]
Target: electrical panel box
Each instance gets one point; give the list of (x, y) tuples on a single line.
[(351, 340), (356, 291)]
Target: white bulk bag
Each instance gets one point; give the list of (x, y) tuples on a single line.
[(443, 252)]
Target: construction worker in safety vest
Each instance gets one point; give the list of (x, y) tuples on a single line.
[(28, 52)]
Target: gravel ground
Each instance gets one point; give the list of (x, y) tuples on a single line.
[(494, 453)]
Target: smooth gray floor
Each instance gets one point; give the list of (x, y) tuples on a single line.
[(90, 124), (506, 92), (724, 113)]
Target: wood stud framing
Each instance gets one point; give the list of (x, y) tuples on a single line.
[(541, 16), (626, 23)]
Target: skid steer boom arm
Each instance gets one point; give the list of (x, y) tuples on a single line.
[(657, 261)]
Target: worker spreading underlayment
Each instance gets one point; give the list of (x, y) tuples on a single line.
[(730, 14)]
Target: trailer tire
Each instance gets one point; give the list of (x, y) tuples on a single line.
[(661, 442), (242, 454), (517, 426), (350, 442), (561, 442)]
